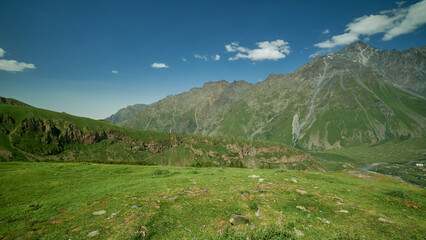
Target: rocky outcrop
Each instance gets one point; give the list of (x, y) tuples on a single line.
[(6, 123), (45, 133)]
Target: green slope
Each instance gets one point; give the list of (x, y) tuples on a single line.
[(28, 133), (57, 201)]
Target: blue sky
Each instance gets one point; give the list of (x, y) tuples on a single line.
[(91, 58)]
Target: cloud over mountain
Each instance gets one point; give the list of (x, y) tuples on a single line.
[(266, 50), (392, 23)]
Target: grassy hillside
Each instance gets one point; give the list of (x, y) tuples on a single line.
[(28, 133), (60, 201)]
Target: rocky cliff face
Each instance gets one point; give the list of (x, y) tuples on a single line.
[(44, 137), (404, 69), (355, 96), (194, 112), (330, 102)]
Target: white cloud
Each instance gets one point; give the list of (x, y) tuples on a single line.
[(338, 40), (415, 17), (184, 59), (203, 57), (114, 71), (400, 3), (369, 25), (392, 23), (326, 31), (159, 65), (14, 66), (273, 50), (216, 57)]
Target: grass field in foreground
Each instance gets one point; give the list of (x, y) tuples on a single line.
[(57, 201)]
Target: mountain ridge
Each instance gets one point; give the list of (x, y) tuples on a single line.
[(32, 134), (337, 100)]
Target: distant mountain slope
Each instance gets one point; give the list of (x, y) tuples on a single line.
[(334, 101), (405, 69), (125, 113), (29, 133), (194, 112)]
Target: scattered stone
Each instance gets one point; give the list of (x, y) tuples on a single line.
[(220, 200), (258, 213), (301, 191), (323, 220), (337, 198), (385, 220), (261, 180), (172, 198), (262, 195), (343, 211), (238, 219), (301, 208), (113, 215), (353, 207), (316, 187), (286, 179), (169, 189), (187, 229), (252, 227), (93, 233), (339, 203), (311, 208), (298, 232), (101, 212), (134, 206), (294, 180), (251, 197), (253, 176)]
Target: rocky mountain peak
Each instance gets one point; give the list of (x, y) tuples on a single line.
[(403, 69), (357, 47)]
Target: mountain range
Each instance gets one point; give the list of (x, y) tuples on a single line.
[(357, 96)]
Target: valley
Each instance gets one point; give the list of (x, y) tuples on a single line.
[(335, 150)]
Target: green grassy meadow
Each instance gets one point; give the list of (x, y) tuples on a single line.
[(57, 201)]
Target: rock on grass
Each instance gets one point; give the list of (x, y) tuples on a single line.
[(93, 233), (101, 212), (384, 220), (238, 219)]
